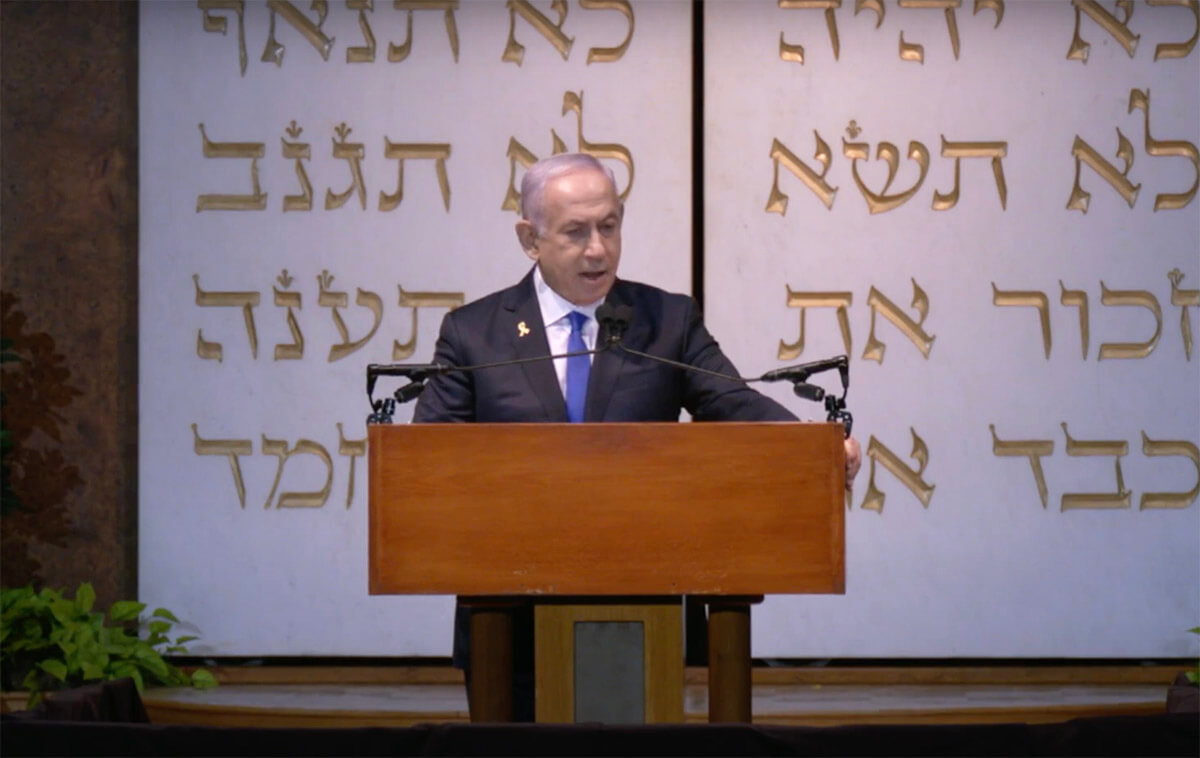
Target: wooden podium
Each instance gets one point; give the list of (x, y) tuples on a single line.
[(495, 512)]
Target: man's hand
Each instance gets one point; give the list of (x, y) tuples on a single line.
[(853, 460)]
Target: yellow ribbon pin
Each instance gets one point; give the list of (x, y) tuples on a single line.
[(522, 330)]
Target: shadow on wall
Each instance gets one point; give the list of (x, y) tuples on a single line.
[(37, 478)]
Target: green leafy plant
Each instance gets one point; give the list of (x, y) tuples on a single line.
[(50, 641)]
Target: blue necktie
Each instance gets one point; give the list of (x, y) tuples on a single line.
[(577, 369)]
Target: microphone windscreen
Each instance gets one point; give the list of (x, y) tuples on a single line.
[(613, 320)]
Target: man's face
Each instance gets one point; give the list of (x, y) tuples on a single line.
[(580, 245)]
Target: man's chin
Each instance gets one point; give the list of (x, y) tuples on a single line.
[(594, 289)]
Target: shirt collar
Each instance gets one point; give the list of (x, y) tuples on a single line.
[(554, 306)]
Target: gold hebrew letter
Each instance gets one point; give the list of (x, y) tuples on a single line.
[(362, 53), (1077, 448), (217, 24), (573, 101), (877, 452), (1168, 148), (273, 51), (399, 52), (514, 51), (1183, 298), (610, 54), (874, 5), (911, 51), (996, 6), (398, 151), (352, 153), (247, 301), (917, 52), (256, 200), (230, 448), (806, 300), (1077, 299), (299, 152), (1171, 447), (1030, 299), (351, 449), (335, 300), (777, 202), (279, 448), (795, 53), (960, 150), (289, 300), (1131, 297), (1178, 49), (416, 301), (209, 351), (517, 153), (1118, 29), (1035, 450), (912, 329), (1118, 179), (886, 151)]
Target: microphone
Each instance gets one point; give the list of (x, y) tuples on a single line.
[(417, 372), (613, 320), (835, 407), (805, 370)]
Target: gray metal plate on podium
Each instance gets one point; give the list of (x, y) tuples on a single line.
[(610, 672)]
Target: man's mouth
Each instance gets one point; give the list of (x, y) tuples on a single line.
[(592, 276)]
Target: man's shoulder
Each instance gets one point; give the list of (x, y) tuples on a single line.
[(639, 292), (508, 298)]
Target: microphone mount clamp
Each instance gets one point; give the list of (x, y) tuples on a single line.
[(835, 407), (383, 410)]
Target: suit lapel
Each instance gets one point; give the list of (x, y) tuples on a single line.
[(530, 342), (606, 366)]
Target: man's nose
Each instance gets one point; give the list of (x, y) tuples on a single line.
[(595, 243)]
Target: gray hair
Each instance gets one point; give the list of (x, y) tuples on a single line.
[(533, 184)]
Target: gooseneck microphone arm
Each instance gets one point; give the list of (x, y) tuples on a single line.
[(613, 321), (686, 366), (384, 409)]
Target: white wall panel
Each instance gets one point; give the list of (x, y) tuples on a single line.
[(261, 579), (985, 569)]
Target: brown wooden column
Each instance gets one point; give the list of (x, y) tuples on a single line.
[(729, 659), (491, 688)]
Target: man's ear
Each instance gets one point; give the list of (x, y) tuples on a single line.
[(527, 236)]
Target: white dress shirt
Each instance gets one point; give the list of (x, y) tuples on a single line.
[(555, 311)]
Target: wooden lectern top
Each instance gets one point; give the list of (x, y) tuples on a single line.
[(725, 508)]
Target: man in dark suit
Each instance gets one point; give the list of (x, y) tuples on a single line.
[(571, 228)]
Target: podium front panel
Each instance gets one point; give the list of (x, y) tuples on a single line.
[(607, 509)]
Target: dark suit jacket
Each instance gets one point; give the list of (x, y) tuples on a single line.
[(621, 387)]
